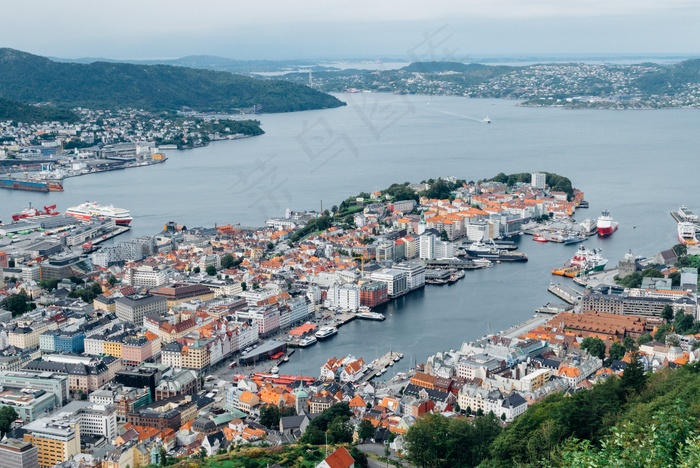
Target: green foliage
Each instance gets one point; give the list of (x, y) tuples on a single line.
[(595, 346), (555, 182), (229, 261), (211, 270), (317, 224), (16, 303), (671, 439), (441, 188), (334, 421), (19, 112), (87, 294), (30, 78), (366, 430), (270, 416), (633, 378), (645, 338), (196, 270), (436, 441), (617, 351), (50, 284), (667, 313), (689, 261), (7, 416), (629, 343), (360, 458), (400, 192), (112, 280), (661, 332)]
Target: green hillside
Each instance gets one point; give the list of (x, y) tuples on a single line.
[(13, 110), (32, 79)]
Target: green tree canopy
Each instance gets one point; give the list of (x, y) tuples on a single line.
[(8, 415), (595, 346)]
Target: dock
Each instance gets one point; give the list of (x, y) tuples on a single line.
[(378, 367), (565, 293)]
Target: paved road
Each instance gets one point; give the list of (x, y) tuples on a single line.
[(378, 449)]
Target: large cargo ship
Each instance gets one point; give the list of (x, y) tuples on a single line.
[(31, 212), (605, 224), (687, 233), (90, 210), (31, 185), (583, 262)]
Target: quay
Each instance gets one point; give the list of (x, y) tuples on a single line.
[(565, 293), (454, 264), (553, 308), (379, 366)]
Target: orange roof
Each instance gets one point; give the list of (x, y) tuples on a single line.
[(247, 397), (341, 458), (357, 402)]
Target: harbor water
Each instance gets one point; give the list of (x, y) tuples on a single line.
[(638, 164)]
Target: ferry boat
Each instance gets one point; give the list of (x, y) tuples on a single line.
[(325, 333), (89, 210), (492, 252), (370, 316), (687, 233), (308, 341), (605, 224), (31, 212), (583, 262), (685, 214)]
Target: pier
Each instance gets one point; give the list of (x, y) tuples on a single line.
[(379, 366), (565, 293)]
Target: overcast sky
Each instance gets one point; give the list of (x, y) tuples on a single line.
[(407, 29)]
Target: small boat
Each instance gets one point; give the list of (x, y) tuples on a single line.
[(308, 341), (487, 120), (539, 238)]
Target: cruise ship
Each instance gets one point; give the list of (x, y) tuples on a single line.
[(325, 333), (605, 224), (90, 210)]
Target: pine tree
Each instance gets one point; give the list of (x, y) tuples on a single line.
[(633, 378)]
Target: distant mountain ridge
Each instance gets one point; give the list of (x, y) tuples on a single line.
[(33, 79)]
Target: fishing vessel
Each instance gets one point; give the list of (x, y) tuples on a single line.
[(605, 224), (90, 210), (583, 262), (539, 238), (687, 233), (325, 333), (31, 212)]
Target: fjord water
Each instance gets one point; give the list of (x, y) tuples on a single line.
[(638, 164)]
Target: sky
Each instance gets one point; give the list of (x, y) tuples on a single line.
[(338, 29)]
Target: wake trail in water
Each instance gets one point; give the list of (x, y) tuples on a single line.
[(465, 117)]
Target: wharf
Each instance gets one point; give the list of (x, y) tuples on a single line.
[(454, 264), (379, 366), (524, 327), (565, 293), (553, 308)]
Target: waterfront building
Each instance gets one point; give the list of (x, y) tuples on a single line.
[(373, 293), (134, 308), (56, 440), (16, 453), (344, 297), (415, 273), (642, 302), (267, 319), (396, 281)]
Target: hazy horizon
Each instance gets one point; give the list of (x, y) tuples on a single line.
[(311, 30)]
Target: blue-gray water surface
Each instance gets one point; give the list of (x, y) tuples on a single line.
[(638, 164)]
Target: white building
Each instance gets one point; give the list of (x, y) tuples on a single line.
[(539, 180), (396, 280), (415, 274), (344, 297)]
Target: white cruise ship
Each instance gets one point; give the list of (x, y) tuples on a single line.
[(325, 333), (90, 210)]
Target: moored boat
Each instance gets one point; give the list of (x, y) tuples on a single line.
[(584, 261), (308, 341), (687, 233), (88, 210), (325, 333), (31, 212), (539, 238), (605, 224)]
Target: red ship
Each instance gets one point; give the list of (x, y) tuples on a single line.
[(31, 212)]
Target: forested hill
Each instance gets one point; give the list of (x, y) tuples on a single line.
[(33, 79), (13, 110)]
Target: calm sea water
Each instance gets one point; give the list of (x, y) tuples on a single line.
[(638, 164)]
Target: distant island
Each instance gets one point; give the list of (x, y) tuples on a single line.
[(33, 79), (568, 85)]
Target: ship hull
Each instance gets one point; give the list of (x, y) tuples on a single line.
[(606, 231)]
